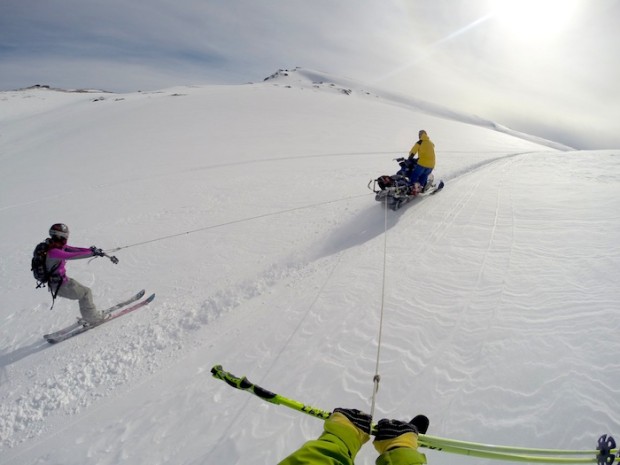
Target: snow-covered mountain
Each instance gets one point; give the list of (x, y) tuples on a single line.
[(245, 209)]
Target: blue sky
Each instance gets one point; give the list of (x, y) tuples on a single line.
[(547, 67)]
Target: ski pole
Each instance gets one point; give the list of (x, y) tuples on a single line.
[(517, 454), (438, 442), (506, 456), (245, 385)]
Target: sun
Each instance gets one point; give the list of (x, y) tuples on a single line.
[(533, 19)]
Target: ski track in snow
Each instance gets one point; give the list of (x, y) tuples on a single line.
[(58, 196), (91, 376), (292, 300)]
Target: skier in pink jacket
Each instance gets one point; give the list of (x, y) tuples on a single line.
[(62, 285)]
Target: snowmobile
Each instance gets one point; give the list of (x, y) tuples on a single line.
[(395, 190)]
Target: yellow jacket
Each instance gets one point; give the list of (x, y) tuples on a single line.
[(425, 150), (341, 441)]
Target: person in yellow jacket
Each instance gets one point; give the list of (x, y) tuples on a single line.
[(425, 149), (347, 430)]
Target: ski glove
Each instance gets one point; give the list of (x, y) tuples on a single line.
[(421, 422), (392, 434), (97, 252), (344, 425), (360, 419)]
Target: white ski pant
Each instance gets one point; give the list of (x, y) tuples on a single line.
[(73, 290)]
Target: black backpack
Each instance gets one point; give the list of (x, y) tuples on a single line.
[(40, 272)]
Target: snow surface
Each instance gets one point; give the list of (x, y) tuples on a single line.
[(245, 209)]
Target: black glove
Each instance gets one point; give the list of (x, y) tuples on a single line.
[(97, 252), (390, 429), (421, 422), (360, 419), (395, 434), (114, 260)]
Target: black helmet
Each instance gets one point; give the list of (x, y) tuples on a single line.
[(59, 231)]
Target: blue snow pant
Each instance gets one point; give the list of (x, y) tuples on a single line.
[(420, 174)]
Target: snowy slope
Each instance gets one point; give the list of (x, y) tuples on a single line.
[(245, 209)]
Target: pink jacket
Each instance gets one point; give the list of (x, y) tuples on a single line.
[(56, 258)]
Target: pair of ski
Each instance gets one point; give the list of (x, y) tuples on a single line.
[(395, 203), (433, 190), (118, 310)]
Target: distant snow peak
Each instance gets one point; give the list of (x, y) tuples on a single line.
[(280, 73), (57, 89), (303, 78)]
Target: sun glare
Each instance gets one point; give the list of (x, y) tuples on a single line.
[(533, 19)]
